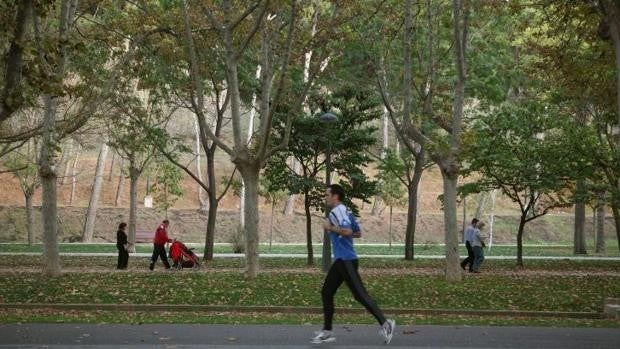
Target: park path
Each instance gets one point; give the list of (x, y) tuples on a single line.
[(369, 272), (296, 336)]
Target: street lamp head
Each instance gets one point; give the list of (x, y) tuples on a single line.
[(328, 117)]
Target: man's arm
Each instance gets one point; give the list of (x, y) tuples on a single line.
[(343, 231)]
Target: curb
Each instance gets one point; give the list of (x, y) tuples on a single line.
[(295, 310)]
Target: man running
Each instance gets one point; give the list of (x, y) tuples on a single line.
[(344, 268)]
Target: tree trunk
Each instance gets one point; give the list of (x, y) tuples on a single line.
[(390, 227), (600, 224), (48, 176), (520, 239), (289, 205), (309, 248), (615, 209), (64, 162), (29, 218), (413, 193), (213, 206), (210, 236), (201, 200), (78, 151), (453, 270), (481, 201), (251, 179), (376, 207), (121, 185), (134, 175), (273, 210), (91, 213), (579, 238), (112, 163)]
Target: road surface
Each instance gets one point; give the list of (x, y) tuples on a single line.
[(291, 336)]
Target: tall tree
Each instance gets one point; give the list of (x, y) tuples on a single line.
[(346, 140), (91, 213)]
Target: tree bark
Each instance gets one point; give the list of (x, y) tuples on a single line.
[(481, 201), (413, 193), (579, 238), (309, 247), (251, 179), (210, 235), (376, 206), (453, 270), (29, 218), (64, 162), (120, 188), (522, 222), (600, 223), (615, 209), (213, 206), (112, 163), (134, 175), (76, 159), (47, 173), (289, 205), (91, 213)]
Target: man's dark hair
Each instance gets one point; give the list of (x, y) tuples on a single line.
[(337, 190), (166, 221), (122, 226), (474, 221)]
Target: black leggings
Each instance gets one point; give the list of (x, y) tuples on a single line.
[(346, 271), (160, 251)]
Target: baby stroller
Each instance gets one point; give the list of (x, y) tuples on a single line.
[(182, 257)]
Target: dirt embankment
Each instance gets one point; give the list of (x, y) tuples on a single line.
[(190, 224)]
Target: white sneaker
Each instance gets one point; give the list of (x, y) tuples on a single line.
[(388, 330), (323, 337)]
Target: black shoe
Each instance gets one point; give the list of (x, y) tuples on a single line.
[(462, 267), (152, 266)]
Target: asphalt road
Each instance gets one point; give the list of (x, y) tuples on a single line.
[(291, 336)]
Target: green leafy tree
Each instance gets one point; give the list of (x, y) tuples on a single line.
[(347, 140), (390, 184), (523, 149), (167, 186)]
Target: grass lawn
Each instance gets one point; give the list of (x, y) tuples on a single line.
[(289, 282), (390, 288), (430, 249)]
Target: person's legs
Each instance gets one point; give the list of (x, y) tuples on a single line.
[(479, 257), (164, 258), (354, 281), (332, 282), (470, 257), (154, 256), (119, 263), (125, 258)]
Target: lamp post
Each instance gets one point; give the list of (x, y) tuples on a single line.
[(327, 118)]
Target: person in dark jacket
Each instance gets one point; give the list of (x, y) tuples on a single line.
[(122, 245), (159, 245)]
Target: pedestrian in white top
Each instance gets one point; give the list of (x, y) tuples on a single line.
[(478, 246), (468, 236)]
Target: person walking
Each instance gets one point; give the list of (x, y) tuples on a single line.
[(468, 235), (343, 228), (478, 246), (122, 245), (159, 245)]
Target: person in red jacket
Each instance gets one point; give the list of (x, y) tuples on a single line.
[(159, 245)]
